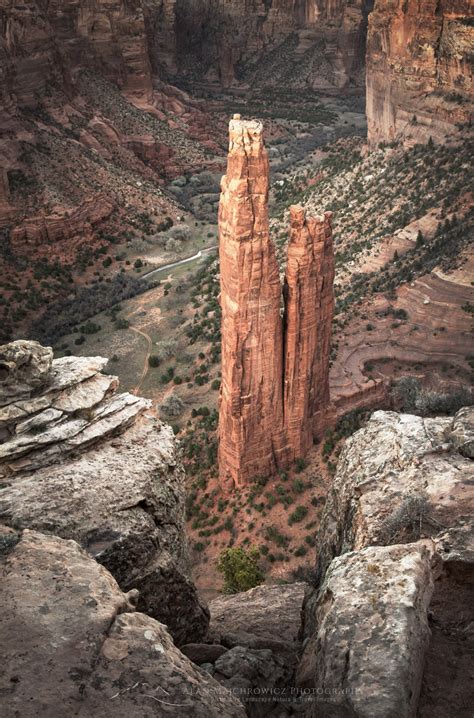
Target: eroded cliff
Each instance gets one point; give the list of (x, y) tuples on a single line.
[(277, 42), (83, 462), (419, 69)]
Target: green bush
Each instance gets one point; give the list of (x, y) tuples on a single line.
[(240, 569), (297, 515), (154, 360)]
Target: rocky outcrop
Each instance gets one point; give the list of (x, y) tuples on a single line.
[(394, 541), (397, 471), (274, 379), (309, 308), (259, 630), (77, 224), (73, 643), (80, 461), (419, 74), (246, 615)]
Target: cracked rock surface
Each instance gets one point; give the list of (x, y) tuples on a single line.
[(73, 644), (106, 473), (387, 626)]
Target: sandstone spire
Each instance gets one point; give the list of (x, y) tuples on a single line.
[(251, 405), (307, 326), (274, 373)]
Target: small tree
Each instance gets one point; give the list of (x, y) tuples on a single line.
[(240, 569)]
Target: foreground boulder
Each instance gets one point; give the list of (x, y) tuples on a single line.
[(387, 627), (259, 630), (80, 461), (366, 656), (264, 617), (74, 646)]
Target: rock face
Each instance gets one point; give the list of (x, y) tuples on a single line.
[(318, 44), (419, 74), (49, 46), (251, 438), (259, 628), (309, 308), (83, 462), (73, 642), (246, 615), (274, 378), (393, 543), (372, 632)]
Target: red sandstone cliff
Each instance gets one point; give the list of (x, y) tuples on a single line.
[(251, 406), (309, 308), (419, 73), (275, 387), (45, 47)]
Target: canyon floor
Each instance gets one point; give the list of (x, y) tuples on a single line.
[(403, 305)]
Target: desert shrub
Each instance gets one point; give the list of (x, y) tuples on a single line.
[(180, 232), (240, 569), (172, 245), (297, 515), (298, 486), (301, 551), (90, 328), (410, 396), (274, 535), (406, 393), (154, 360), (165, 349), (433, 402), (300, 465), (173, 405), (122, 324), (405, 522)]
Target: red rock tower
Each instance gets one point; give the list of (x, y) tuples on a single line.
[(251, 437), (309, 307), (274, 386)]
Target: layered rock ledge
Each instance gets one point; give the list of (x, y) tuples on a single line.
[(386, 627), (83, 462)]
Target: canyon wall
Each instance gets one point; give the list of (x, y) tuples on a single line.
[(44, 46), (275, 373), (318, 44), (419, 68)]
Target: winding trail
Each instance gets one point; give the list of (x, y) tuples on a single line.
[(136, 389), (164, 268)]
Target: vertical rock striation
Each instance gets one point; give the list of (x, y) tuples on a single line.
[(251, 407), (274, 373), (419, 69), (309, 307)]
